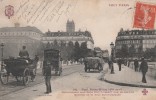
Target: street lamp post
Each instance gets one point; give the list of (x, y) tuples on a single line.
[(2, 45), (112, 57)]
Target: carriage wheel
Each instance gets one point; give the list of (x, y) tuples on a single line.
[(26, 76), (4, 77)]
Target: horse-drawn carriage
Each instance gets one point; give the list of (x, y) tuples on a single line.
[(94, 63), (21, 68), (52, 57)]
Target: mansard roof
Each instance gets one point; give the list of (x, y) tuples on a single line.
[(137, 32), (60, 34), (20, 29)]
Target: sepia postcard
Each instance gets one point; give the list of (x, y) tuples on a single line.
[(77, 49)]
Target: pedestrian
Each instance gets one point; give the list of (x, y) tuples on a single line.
[(119, 64), (110, 64), (85, 63), (129, 63), (136, 65), (143, 69), (34, 65), (47, 75), (35, 61)]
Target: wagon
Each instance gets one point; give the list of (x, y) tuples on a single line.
[(94, 63), (21, 68), (54, 58)]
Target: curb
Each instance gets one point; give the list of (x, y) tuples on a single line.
[(127, 84)]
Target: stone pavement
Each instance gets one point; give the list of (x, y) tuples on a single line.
[(128, 77)]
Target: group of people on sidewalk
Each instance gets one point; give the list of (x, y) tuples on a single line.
[(143, 67)]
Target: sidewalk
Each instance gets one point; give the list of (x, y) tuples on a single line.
[(128, 77)]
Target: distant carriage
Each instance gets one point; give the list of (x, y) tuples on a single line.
[(53, 57), (21, 68), (94, 63)]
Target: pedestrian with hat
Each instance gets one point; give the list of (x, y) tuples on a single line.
[(143, 69), (136, 64)]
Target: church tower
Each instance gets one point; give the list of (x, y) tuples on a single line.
[(70, 26)]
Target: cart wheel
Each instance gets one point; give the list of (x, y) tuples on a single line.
[(26, 76), (4, 78)]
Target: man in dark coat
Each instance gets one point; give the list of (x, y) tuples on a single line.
[(136, 64), (47, 73), (119, 64), (143, 69), (85, 63), (110, 63)]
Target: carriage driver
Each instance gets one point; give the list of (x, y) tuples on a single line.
[(24, 53)]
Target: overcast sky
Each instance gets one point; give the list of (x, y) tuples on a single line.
[(103, 18)]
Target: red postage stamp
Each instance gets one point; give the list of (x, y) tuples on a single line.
[(144, 16), (9, 11)]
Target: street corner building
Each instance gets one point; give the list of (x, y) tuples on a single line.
[(15, 37), (134, 43)]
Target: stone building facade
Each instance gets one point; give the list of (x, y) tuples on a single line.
[(138, 40), (15, 37), (69, 35)]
